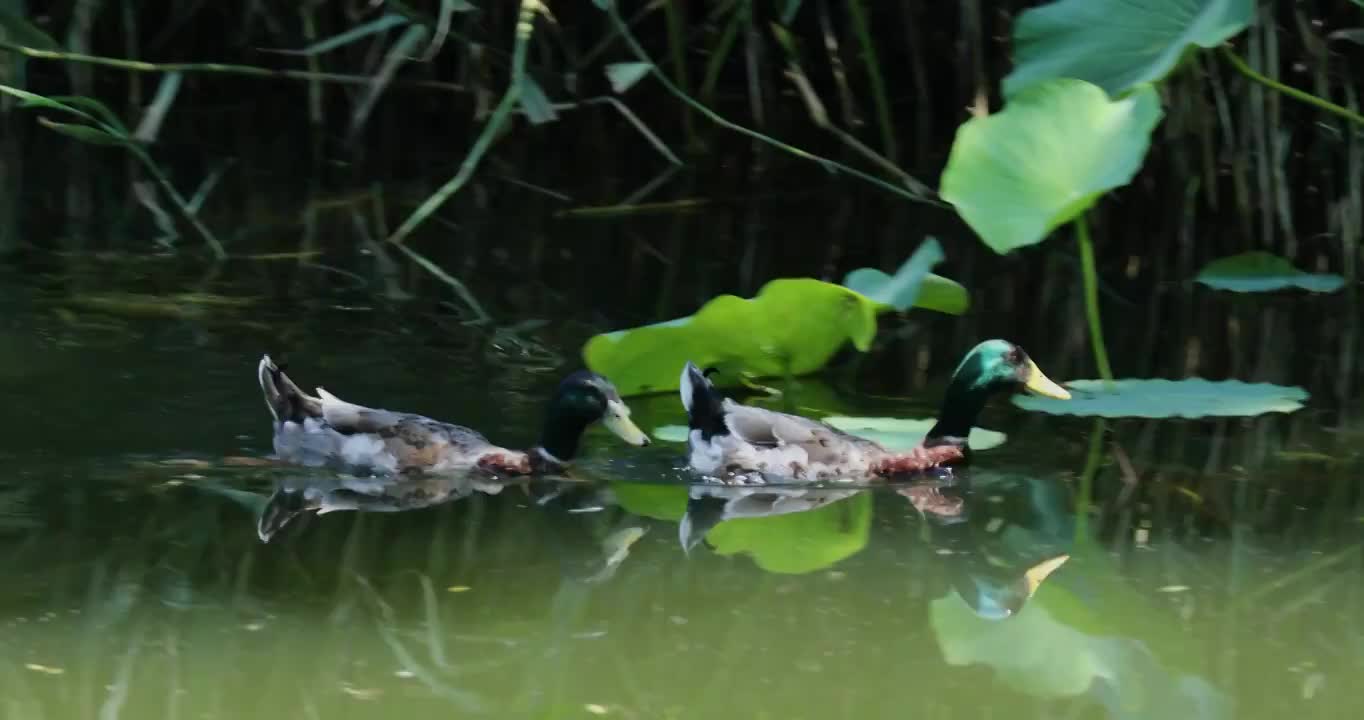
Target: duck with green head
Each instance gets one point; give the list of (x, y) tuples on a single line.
[(742, 444), (324, 430)]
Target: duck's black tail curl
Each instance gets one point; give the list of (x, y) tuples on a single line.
[(287, 403), (284, 505), (704, 404)]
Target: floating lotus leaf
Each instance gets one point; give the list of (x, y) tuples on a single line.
[(1153, 398), (1047, 157), (1262, 272), (1117, 44)]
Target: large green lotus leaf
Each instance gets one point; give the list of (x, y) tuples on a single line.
[(1154, 398), (1263, 272), (791, 327), (799, 542), (1053, 150), (1117, 44), (906, 433)]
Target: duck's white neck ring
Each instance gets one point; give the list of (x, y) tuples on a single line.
[(548, 457)]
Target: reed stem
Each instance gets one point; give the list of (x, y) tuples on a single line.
[(1245, 69), (1091, 281)]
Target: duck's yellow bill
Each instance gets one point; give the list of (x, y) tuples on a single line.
[(1040, 384), (617, 420), (1034, 576)]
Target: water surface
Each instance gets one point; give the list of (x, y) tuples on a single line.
[(1196, 569)]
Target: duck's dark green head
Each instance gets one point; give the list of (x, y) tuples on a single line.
[(991, 367), (580, 400), (999, 365)]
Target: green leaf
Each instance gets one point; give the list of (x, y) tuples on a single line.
[(107, 116), (84, 133), (798, 542), (22, 32), (1153, 398), (1048, 156), (623, 76), (535, 103), (30, 100), (792, 326), (906, 433), (912, 285), (1117, 44), (358, 32), (1259, 271)]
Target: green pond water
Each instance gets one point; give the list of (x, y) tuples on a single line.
[(1160, 569)]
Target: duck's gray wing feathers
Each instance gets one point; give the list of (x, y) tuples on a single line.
[(767, 428)]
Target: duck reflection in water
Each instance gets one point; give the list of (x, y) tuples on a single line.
[(320, 493), (1001, 537), (710, 505)]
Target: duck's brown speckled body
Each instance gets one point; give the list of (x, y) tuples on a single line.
[(741, 444), (324, 430)]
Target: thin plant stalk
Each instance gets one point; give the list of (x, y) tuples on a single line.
[(1292, 92), (1085, 493), (718, 119), (218, 68), (878, 83), (188, 214), (525, 24), (466, 168), (1096, 333), (677, 42), (720, 53)]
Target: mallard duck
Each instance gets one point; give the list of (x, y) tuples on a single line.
[(747, 445), (324, 430)]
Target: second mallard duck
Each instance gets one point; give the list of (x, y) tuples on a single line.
[(742, 444), (324, 430)]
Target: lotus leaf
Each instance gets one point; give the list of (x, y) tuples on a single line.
[(1154, 398), (1047, 157)]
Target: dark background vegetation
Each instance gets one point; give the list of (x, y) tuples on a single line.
[(1233, 166)]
